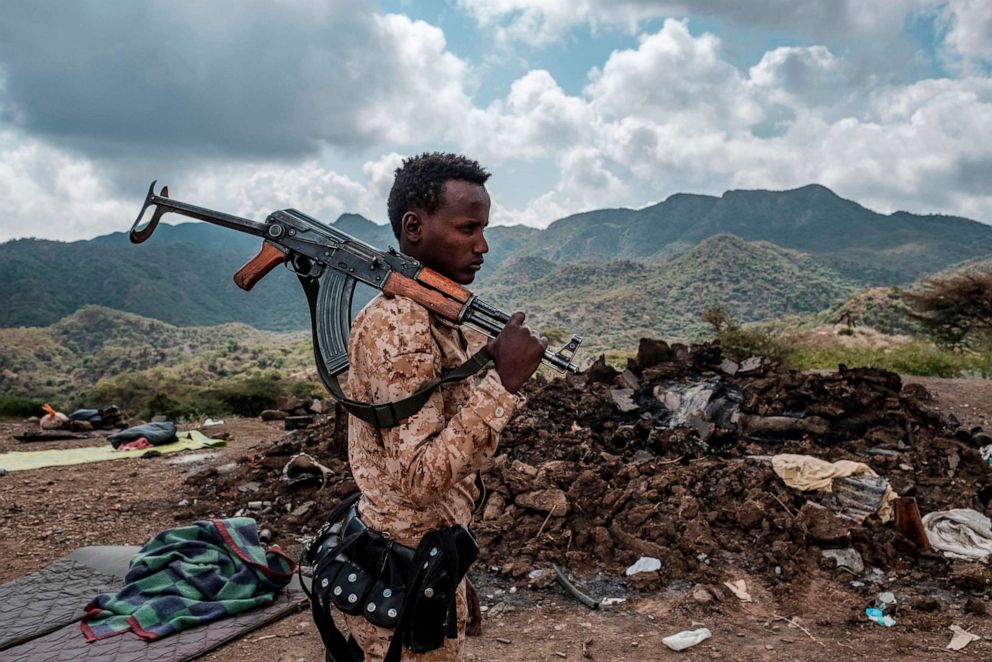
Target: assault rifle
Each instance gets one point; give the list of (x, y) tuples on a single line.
[(330, 263)]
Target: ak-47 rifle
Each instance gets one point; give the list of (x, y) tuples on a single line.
[(329, 264)]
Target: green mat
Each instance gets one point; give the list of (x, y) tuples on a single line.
[(24, 460)]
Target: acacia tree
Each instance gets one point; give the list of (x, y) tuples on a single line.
[(955, 311)]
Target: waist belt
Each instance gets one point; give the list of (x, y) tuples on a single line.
[(358, 570)]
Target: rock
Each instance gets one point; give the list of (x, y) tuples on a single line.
[(821, 525), (297, 422), (970, 576), (317, 406), (651, 352), (846, 559), (495, 505), (303, 510), (272, 415), (730, 367), (981, 439), (926, 605), (551, 500), (600, 372), (975, 606), (623, 398), (701, 595), (288, 403), (750, 365), (630, 380)]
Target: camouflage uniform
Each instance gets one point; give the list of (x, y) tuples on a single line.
[(421, 474)]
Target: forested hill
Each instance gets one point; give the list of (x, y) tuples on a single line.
[(182, 275)]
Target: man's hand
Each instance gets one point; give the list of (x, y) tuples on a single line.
[(516, 351)]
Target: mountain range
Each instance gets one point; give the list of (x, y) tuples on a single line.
[(611, 274)]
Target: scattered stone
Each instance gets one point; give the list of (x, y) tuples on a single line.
[(821, 524), (975, 606), (846, 559), (553, 501)]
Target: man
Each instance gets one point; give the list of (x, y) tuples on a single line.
[(422, 475)]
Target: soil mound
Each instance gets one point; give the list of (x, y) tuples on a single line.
[(671, 459)]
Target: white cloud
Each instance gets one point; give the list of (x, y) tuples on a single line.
[(668, 114), (673, 77), (539, 22), (49, 193), (536, 118), (426, 92), (968, 38)]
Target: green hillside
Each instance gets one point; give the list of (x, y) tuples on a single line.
[(871, 248), (113, 356), (613, 304), (883, 309), (182, 275)]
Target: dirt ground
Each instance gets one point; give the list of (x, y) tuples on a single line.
[(46, 513)]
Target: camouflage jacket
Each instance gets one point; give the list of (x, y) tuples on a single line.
[(421, 474)]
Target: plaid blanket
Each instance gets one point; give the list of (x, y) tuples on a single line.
[(190, 576)]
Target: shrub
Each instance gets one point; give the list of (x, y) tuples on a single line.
[(740, 342), (13, 406)]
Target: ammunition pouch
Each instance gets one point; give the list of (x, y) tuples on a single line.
[(360, 571)]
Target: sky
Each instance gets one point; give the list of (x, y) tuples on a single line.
[(249, 106)]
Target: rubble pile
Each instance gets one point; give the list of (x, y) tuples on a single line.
[(672, 459)]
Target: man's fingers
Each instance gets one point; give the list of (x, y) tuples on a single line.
[(544, 341), (517, 318)]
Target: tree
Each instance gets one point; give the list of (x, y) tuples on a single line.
[(955, 311)]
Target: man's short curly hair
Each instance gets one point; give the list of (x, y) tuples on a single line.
[(420, 180)]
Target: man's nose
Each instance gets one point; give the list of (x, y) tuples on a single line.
[(481, 246)]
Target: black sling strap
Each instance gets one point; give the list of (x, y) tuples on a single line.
[(389, 414)]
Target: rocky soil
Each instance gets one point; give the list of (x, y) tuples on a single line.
[(595, 472)]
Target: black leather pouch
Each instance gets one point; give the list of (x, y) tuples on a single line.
[(384, 604)]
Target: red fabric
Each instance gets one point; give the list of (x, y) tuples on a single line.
[(138, 444)]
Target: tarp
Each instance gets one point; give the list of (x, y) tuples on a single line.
[(24, 460), (960, 533)]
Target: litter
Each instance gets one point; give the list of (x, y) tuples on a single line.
[(960, 533), (961, 638), (878, 616), (739, 588), (686, 639), (207, 423), (859, 490), (644, 564)]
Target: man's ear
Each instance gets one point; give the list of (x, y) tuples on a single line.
[(412, 226)]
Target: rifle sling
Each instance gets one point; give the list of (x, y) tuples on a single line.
[(389, 414)]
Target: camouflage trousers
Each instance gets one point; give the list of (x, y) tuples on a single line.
[(374, 640)]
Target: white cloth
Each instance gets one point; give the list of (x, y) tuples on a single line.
[(961, 533)]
